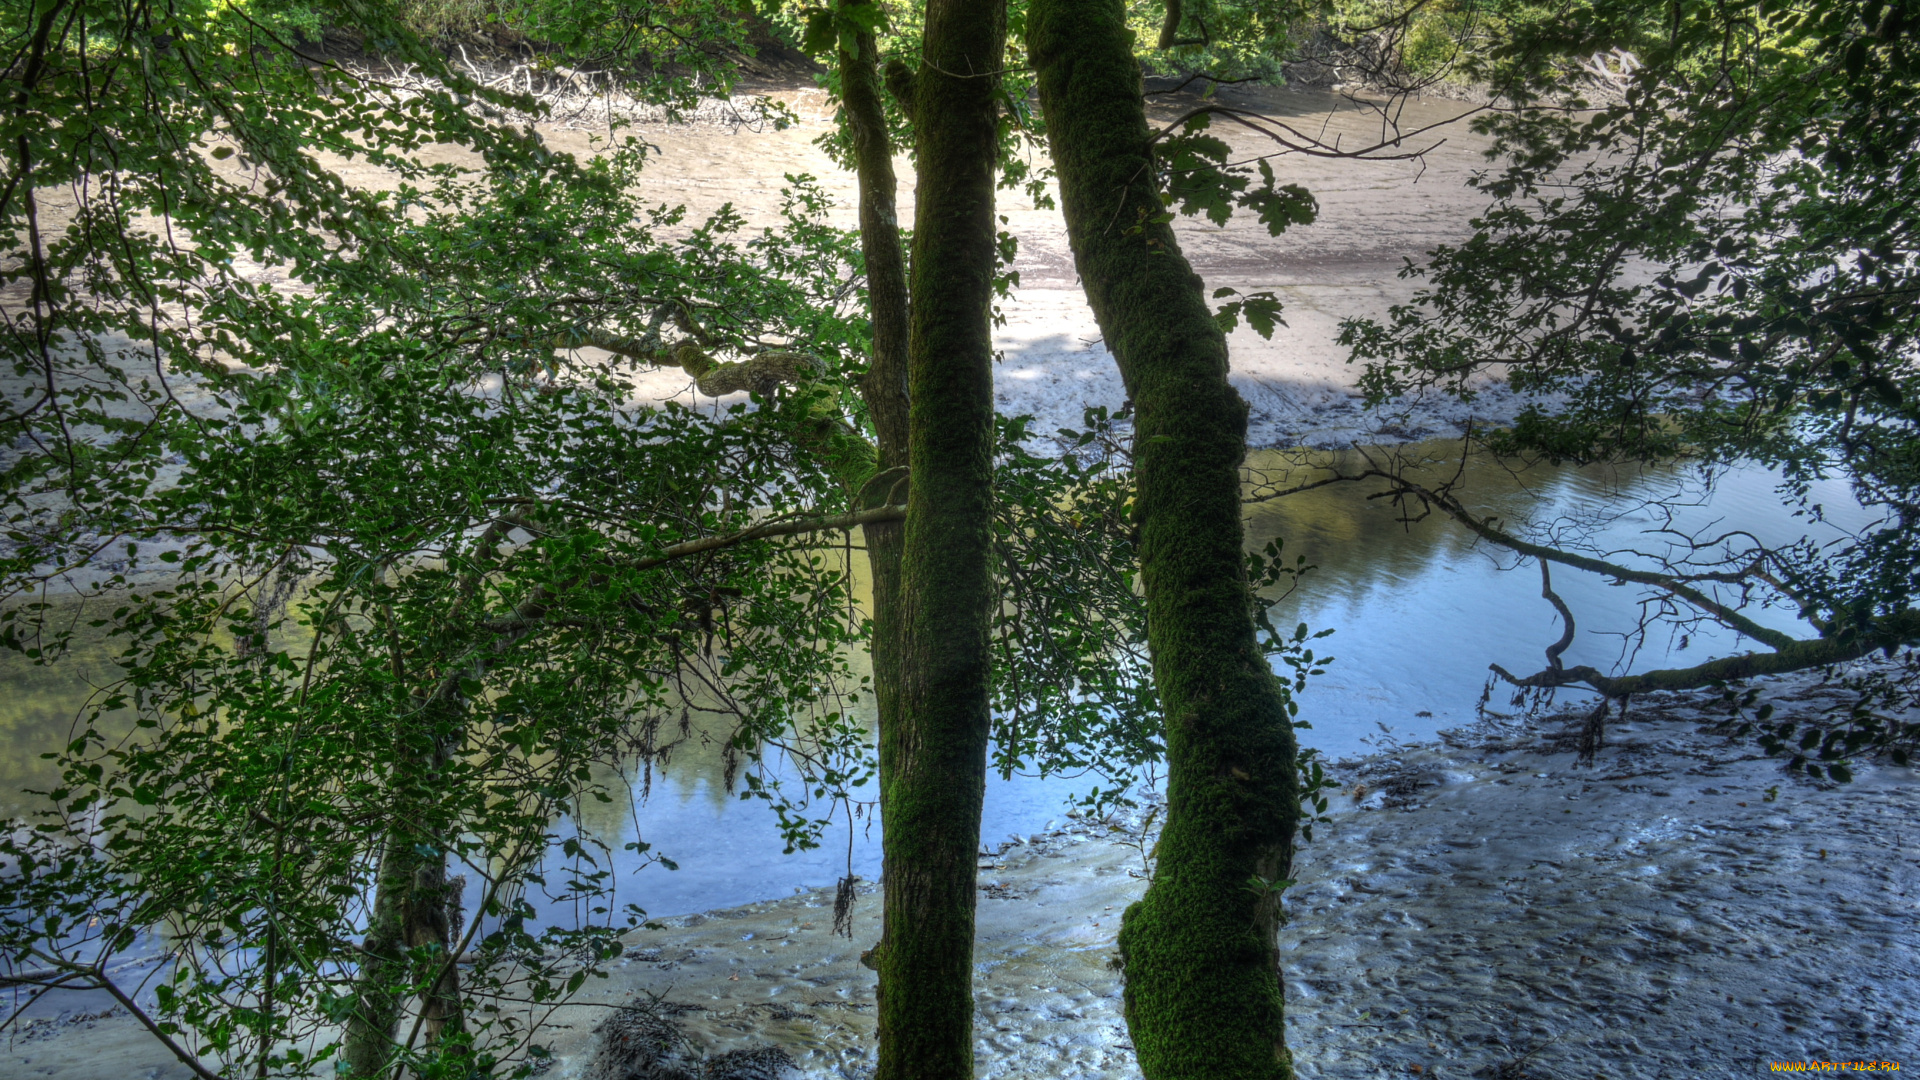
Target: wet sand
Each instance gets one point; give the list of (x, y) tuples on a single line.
[(1374, 216), (1680, 908), (1486, 908)]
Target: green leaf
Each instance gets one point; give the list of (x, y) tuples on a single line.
[(868, 17), (821, 33)]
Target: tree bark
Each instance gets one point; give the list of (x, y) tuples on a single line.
[(371, 1029), (933, 756), (410, 905), (884, 387), (1203, 995)]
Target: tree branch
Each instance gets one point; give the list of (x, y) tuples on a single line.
[(530, 614), (1295, 141), (1668, 582), (1566, 616), (101, 980), (1900, 628), (1835, 645), (712, 377)]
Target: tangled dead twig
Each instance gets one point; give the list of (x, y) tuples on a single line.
[(843, 898), (1593, 732), (568, 98)]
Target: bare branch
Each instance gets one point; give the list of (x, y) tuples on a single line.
[(1836, 644), (1297, 142), (1667, 582), (1899, 628), (1566, 616), (1191, 79)]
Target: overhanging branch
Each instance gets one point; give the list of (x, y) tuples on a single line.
[(1295, 141), (1900, 628), (1837, 644), (1666, 582), (536, 610)]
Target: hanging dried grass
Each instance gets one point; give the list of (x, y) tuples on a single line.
[(843, 898)]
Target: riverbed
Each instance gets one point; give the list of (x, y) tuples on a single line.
[(1418, 614), (1485, 903)]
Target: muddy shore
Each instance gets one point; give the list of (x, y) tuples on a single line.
[(1374, 216), (1485, 907)]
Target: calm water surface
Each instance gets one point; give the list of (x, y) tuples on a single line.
[(1418, 611)]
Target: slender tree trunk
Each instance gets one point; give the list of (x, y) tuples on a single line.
[(885, 385), (933, 757), (1203, 996), (371, 1029), (410, 912)]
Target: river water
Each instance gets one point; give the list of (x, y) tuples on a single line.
[(1372, 214), (1418, 611)]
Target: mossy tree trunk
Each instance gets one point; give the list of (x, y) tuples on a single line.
[(1203, 996), (884, 386), (411, 903), (933, 757)]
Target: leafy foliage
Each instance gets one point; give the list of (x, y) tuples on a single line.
[(393, 566), (419, 570), (1873, 723), (380, 563), (1228, 38), (1720, 264)]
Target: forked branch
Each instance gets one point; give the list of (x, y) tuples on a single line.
[(1837, 642)]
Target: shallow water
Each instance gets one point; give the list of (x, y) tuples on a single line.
[(1418, 612)]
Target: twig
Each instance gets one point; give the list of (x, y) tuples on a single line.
[(190, 1060), (1215, 79)]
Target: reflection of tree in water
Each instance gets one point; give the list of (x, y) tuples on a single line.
[(1359, 544), (37, 717), (1740, 553), (42, 700), (1361, 540)]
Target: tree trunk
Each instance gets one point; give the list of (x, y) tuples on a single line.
[(372, 1027), (884, 387), (410, 912), (933, 757), (1203, 996)]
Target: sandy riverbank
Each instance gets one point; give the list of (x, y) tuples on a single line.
[(1681, 908), (1374, 216)]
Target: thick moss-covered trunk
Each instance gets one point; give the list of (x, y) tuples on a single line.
[(933, 757), (1203, 994)]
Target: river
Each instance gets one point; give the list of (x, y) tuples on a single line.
[(1418, 611)]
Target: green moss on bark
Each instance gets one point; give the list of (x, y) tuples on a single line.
[(933, 757), (410, 902), (884, 387), (1203, 995)]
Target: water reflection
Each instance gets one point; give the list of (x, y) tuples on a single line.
[(42, 705), (1418, 608)]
